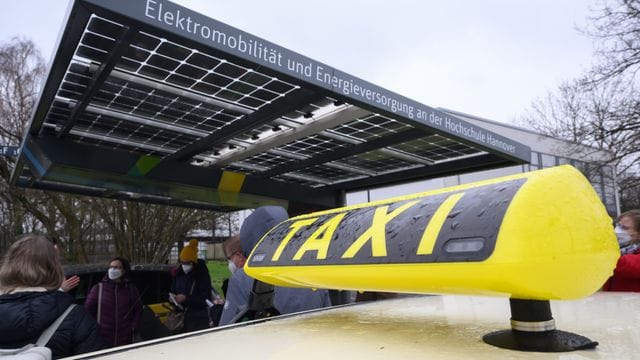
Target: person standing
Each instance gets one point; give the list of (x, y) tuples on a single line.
[(115, 304), (191, 288), (626, 276), (30, 276), (286, 300), (239, 284)]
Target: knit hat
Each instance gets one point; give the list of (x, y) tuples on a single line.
[(190, 252), (257, 224)]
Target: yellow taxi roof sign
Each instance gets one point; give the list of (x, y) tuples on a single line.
[(540, 235)]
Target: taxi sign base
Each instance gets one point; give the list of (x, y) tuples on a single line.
[(547, 341), (533, 329)]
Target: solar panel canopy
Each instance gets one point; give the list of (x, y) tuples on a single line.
[(150, 101)]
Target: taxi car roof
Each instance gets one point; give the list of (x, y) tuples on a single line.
[(412, 327)]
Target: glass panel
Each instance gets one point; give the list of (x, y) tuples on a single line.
[(548, 160), (563, 161), (534, 158)]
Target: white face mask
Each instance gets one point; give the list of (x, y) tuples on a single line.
[(114, 274), (232, 267), (186, 268), (623, 236)]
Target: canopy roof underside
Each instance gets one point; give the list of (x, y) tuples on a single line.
[(139, 108)]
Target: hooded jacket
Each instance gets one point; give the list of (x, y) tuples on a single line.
[(25, 315), (120, 311), (256, 225), (286, 300)]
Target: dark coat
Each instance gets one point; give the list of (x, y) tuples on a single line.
[(120, 311), (25, 315), (197, 316)]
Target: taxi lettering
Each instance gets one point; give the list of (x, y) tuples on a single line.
[(375, 235), (443, 227)]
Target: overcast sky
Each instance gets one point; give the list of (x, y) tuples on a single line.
[(487, 58)]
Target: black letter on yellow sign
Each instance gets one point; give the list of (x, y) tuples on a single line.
[(376, 233), (320, 239), (294, 228), (432, 230)]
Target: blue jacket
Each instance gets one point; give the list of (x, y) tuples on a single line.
[(286, 300)]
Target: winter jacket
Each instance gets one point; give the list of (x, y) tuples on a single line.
[(626, 276), (286, 300), (120, 311), (25, 315), (197, 316)]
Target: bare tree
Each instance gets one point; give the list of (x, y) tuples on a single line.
[(602, 109), (598, 116), (144, 232), (615, 27), (21, 74), (21, 70), (87, 229)]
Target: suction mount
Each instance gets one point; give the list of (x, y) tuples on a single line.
[(533, 329)]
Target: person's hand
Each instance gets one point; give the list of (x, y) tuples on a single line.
[(180, 298), (70, 283), (218, 301)]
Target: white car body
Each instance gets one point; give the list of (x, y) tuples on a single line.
[(412, 327)]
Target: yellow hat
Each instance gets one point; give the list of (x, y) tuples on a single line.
[(190, 252)]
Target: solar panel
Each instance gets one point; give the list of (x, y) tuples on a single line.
[(175, 114), (437, 148)]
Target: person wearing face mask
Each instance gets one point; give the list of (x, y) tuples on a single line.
[(115, 304), (233, 252), (191, 288), (626, 276), (239, 285), (286, 300)]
